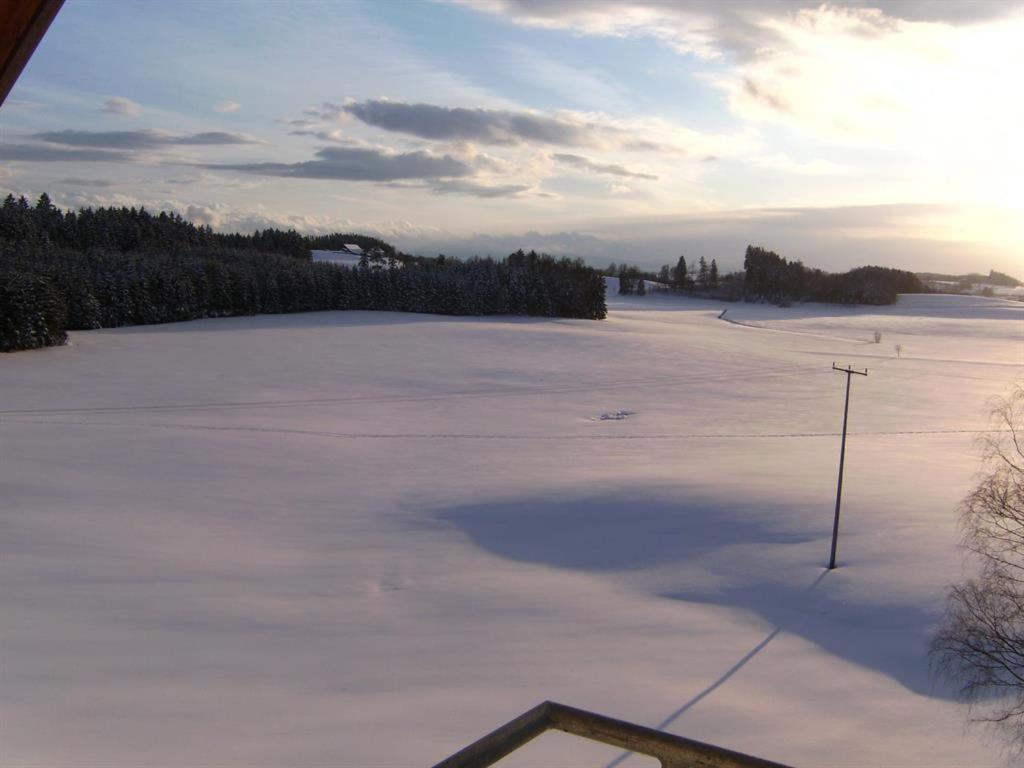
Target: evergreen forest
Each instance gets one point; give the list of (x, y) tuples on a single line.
[(109, 267)]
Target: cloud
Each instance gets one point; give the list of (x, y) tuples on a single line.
[(934, 82), (200, 214), (786, 164), (472, 188), (711, 28), (486, 126), (812, 65), (146, 138), (688, 27), (586, 164), (23, 104), (558, 243), (361, 164), (327, 111), (76, 182), (335, 136), (758, 93), (34, 153), (939, 99), (446, 174), (227, 107), (883, 73), (118, 105), (511, 128), (214, 137)]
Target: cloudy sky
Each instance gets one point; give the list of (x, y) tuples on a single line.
[(885, 132)]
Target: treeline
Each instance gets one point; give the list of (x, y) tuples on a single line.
[(971, 279), (766, 276), (769, 277), (130, 229), (632, 281), (48, 287), (699, 276)]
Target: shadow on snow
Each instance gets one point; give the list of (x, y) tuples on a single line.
[(330, 318), (629, 531)]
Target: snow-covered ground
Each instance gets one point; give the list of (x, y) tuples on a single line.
[(366, 539), (979, 289), (337, 257), (349, 259)]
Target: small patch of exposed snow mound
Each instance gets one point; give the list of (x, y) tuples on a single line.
[(615, 415)]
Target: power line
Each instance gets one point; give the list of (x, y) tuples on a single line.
[(498, 436)]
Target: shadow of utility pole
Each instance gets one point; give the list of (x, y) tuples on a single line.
[(719, 682)]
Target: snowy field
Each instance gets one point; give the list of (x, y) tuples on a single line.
[(366, 539)]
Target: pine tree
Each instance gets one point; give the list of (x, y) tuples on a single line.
[(713, 275), (680, 274), (702, 275)]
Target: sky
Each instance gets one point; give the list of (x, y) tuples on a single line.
[(628, 130)]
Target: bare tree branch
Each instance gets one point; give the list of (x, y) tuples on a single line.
[(980, 642)]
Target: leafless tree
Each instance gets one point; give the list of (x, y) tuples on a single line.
[(980, 642)]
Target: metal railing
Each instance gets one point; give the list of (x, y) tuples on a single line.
[(672, 751)]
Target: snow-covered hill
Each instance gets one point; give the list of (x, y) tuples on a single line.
[(369, 538)]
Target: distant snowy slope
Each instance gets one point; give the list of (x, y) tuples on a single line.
[(337, 257), (923, 324)]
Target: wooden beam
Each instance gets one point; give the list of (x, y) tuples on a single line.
[(22, 25), (670, 750)]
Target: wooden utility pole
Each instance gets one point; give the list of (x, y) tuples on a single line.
[(842, 457)]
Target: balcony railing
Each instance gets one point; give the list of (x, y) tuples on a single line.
[(672, 751)]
